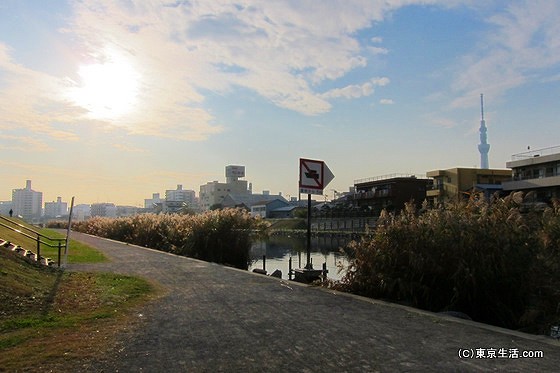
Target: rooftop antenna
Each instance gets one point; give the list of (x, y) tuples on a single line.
[(483, 147)]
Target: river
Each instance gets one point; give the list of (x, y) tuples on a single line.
[(279, 249)]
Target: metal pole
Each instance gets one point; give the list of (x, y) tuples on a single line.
[(309, 265), (59, 251), (264, 262), (38, 249), (67, 234)]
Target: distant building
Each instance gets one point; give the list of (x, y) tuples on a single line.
[(178, 199), (27, 203), (213, 193), (150, 203), (81, 212), (5, 207), (126, 210), (389, 192), (104, 209), (457, 183), (247, 201), (265, 209), (536, 171), (56, 209)]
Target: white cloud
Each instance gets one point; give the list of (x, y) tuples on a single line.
[(386, 101), (523, 44), (31, 100), (356, 91), (280, 50), (23, 144), (377, 50)]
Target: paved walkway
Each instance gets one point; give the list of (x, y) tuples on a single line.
[(218, 319)]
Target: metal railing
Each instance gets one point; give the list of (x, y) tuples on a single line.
[(387, 177), (536, 153), (34, 235)]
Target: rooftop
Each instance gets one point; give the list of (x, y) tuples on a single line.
[(536, 153), (389, 176)]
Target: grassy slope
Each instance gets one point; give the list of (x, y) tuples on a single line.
[(52, 319), (77, 252)]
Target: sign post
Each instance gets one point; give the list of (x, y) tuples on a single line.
[(314, 176)]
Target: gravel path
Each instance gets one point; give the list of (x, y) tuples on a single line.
[(219, 319)]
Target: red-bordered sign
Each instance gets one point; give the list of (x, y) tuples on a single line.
[(314, 176)]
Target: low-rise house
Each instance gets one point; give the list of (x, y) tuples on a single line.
[(390, 192), (247, 201), (265, 209)]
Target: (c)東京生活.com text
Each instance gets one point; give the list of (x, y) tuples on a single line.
[(498, 353)]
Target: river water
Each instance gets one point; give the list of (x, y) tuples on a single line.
[(279, 249)]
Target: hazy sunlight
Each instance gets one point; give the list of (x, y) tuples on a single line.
[(107, 90)]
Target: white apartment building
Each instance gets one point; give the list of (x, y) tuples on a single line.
[(179, 198), (536, 171), (104, 209), (56, 209), (81, 212), (27, 203), (150, 203)]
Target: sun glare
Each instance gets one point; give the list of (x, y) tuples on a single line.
[(107, 90)]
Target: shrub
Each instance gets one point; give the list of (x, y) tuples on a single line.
[(483, 258), (221, 236)]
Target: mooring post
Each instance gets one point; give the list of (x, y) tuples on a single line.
[(264, 262), (290, 268)]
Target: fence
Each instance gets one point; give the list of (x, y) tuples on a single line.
[(39, 238)]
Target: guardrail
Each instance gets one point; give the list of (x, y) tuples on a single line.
[(58, 242), (536, 153)]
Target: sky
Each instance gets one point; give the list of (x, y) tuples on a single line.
[(112, 101)]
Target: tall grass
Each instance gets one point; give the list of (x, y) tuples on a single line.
[(221, 236), (487, 259)]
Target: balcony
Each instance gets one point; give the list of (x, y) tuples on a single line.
[(525, 184)]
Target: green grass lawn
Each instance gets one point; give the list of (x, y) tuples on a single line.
[(51, 319), (77, 252)]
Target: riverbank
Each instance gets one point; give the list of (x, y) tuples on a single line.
[(215, 318)]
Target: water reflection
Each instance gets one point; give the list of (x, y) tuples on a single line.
[(279, 249)]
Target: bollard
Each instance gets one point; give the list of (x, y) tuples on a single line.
[(290, 269), (325, 271), (264, 262)]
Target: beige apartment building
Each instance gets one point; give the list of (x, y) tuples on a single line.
[(214, 192), (455, 183)]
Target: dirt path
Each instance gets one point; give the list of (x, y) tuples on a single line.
[(218, 319)]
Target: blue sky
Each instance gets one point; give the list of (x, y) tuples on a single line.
[(111, 101)]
